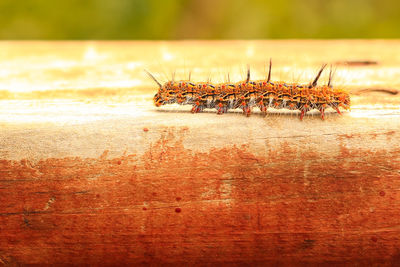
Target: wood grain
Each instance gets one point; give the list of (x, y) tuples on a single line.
[(92, 173)]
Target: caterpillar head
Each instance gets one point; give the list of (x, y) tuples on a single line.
[(158, 101), (166, 94)]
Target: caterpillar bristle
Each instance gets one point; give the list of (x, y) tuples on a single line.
[(153, 78), (173, 76), (269, 71), (247, 94), (331, 75), (248, 74), (314, 83)]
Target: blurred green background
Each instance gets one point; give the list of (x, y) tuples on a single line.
[(198, 19)]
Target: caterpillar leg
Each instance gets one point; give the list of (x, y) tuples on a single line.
[(303, 112), (221, 109), (246, 108), (263, 109), (304, 109), (246, 111), (322, 110), (196, 109), (338, 111)]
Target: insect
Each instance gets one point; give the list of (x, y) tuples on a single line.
[(248, 94)]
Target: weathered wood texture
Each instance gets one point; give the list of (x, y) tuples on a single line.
[(92, 173)]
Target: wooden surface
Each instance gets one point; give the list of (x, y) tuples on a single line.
[(92, 173)]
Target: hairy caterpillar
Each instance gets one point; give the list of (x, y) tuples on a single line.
[(247, 94)]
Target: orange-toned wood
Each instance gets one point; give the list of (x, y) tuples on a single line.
[(92, 173)]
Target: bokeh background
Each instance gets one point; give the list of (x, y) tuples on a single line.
[(198, 19)]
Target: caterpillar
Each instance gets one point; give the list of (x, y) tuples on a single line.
[(247, 94)]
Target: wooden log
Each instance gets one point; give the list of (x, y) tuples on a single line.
[(92, 173)]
